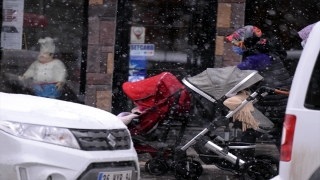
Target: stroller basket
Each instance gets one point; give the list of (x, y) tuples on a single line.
[(244, 151)]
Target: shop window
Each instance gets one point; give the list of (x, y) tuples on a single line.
[(41, 48), (151, 38)]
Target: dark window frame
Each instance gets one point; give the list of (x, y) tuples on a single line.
[(312, 100)]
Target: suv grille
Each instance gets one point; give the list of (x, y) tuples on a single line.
[(101, 140)]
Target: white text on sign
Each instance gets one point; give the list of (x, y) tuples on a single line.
[(141, 49)]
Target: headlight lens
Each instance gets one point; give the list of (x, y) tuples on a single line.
[(48, 134)]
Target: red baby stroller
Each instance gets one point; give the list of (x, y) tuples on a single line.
[(163, 100)]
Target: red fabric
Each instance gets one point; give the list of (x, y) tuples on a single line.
[(34, 20), (143, 148), (153, 94), (148, 91)]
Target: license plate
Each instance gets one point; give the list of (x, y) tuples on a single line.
[(119, 175)]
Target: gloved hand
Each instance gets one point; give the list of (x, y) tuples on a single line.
[(126, 117)]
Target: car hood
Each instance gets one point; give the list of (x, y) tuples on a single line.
[(52, 112)]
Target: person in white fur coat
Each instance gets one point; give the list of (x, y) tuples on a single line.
[(49, 74)]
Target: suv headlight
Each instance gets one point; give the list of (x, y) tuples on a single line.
[(48, 134)]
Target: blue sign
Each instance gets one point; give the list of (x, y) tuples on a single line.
[(138, 62)]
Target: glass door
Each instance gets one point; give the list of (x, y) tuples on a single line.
[(154, 36)]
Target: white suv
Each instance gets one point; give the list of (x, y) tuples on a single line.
[(48, 139), (300, 149)]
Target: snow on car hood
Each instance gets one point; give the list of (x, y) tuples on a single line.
[(52, 112)]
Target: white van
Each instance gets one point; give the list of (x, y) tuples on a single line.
[(300, 149), (48, 139)]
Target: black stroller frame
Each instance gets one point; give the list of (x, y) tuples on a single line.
[(226, 156), (256, 168)]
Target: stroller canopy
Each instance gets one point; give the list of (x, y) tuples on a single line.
[(218, 82), (156, 95), (150, 91)]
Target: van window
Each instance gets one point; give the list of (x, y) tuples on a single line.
[(313, 93)]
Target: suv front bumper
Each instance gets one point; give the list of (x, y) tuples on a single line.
[(33, 160)]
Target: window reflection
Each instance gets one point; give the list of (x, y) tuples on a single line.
[(60, 20), (179, 31)]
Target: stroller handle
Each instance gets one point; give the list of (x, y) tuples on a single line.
[(283, 92), (264, 89)]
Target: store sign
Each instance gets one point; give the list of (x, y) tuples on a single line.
[(137, 68), (137, 35), (141, 49), (138, 62)]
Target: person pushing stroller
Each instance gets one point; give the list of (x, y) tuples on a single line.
[(264, 55)]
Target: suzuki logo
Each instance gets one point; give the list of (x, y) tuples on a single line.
[(112, 140)]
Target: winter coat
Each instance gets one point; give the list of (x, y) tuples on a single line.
[(275, 75)]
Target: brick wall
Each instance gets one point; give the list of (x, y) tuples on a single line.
[(101, 39), (229, 18)]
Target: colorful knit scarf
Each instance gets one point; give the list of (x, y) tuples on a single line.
[(252, 41)]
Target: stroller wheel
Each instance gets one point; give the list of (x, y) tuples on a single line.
[(273, 161), (188, 170), (156, 167), (256, 170)]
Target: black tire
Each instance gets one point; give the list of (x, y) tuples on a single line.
[(156, 167), (181, 172), (256, 170), (274, 161)]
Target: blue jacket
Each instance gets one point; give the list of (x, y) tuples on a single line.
[(255, 62)]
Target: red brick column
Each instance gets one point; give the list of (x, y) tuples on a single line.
[(101, 41), (229, 18)]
